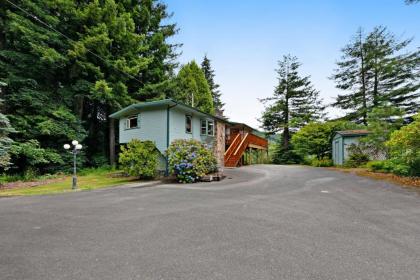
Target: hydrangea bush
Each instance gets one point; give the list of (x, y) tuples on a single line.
[(189, 160)]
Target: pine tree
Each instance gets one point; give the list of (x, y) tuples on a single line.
[(32, 63), (351, 75), (62, 85), (374, 72), (215, 92), (295, 103), (192, 88)]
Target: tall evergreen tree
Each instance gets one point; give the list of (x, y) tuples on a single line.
[(192, 88), (87, 59), (374, 71), (295, 102), (214, 87), (32, 64)]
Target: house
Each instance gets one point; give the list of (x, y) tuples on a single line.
[(342, 140), (165, 120)]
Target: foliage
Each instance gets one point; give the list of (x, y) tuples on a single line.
[(214, 88), (373, 71), (404, 145), (280, 155), (325, 162), (295, 102), (5, 141), (30, 157), (316, 137), (389, 166), (139, 158), (192, 88), (357, 155), (189, 160), (116, 50), (382, 121)]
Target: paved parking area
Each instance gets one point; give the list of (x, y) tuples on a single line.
[(266, 222)]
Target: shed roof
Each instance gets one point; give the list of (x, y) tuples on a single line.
[(355, 132), (159, 103)]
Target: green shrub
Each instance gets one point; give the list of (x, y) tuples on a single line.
[(404, 146), (189, 160), (389, 166), (99, 160), (139, 158), (322, 162), (379, 165), (357, 155)]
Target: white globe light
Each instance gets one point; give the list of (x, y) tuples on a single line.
[(79, 147), (66, 146), (75, 142)]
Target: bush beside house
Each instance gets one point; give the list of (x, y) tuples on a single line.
[(189, 160), (139, 159)]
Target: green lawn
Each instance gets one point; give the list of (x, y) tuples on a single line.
[(90, 181)]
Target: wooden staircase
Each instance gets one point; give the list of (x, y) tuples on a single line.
[(239, 145)]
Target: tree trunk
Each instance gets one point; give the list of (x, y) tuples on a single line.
[(286, 137), (376, 78), (363, 78)]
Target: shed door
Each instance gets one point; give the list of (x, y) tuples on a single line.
[(337, 159)]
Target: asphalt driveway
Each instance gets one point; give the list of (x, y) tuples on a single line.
[(267, 222)]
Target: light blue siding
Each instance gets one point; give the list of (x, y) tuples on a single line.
[(337, 151), (152, 127), (340, 145), (177, 126), (347, 142)]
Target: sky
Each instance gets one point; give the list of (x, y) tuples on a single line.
[(244, 39)]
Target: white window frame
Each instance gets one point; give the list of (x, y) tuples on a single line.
[(212, 130), (201, 127), (187, 116), (127, 122), (206, 122)]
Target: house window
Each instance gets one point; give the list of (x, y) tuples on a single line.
[(207, 127), (210, 128), (203, 127), (188, 123), (132, 122)]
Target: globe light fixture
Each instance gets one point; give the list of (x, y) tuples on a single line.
[(76, 149)]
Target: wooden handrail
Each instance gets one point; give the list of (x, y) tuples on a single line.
[(254, 139), (243, 140), (232, 144)]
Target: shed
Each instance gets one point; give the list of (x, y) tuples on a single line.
[(341, 141)]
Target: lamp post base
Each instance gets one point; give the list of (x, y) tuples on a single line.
[(74, 183)]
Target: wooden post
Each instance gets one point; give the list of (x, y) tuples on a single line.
[(112, 142)]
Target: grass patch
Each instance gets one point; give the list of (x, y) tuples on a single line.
[(88, 180)]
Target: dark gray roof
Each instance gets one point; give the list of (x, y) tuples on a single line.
[(159, 103), (355, 132)]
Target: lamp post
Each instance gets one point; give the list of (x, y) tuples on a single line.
[(76, 148)]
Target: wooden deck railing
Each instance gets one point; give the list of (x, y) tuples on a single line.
[(240, 144)]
